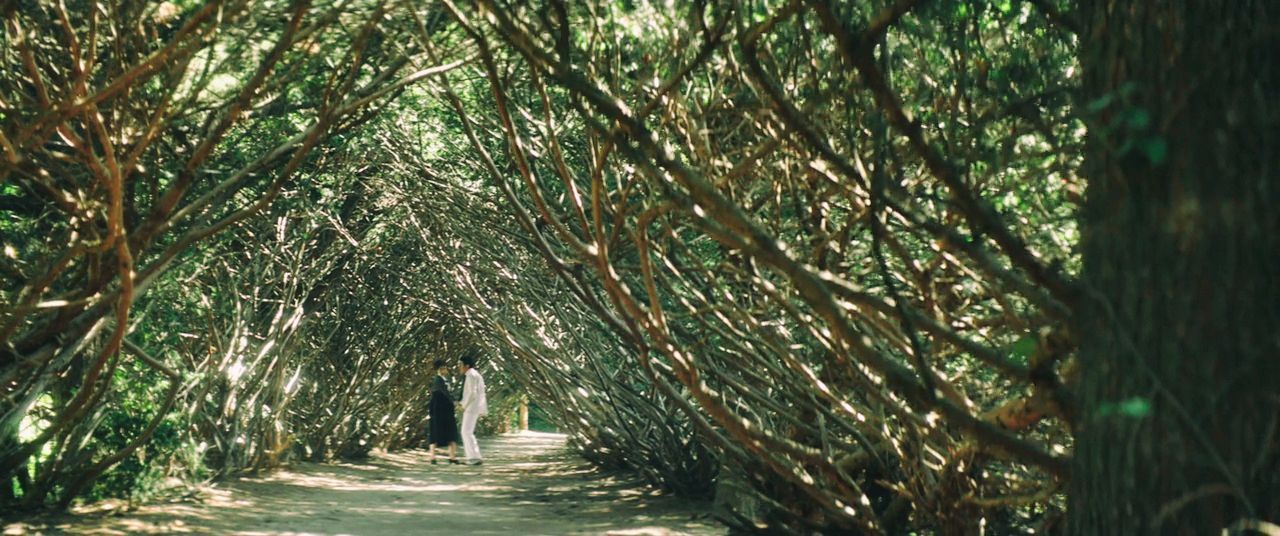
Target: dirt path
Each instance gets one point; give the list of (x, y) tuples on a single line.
[(530, 484)]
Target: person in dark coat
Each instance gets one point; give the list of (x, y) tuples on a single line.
[(442, 428)]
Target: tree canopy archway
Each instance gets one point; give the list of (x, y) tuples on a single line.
[(861, 266)]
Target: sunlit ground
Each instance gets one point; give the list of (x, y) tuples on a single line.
[(529, 485)]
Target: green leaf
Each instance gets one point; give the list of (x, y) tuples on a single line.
[(1097, 105), (1156, 149), (1138, 119), (1022, 349), (1134, 407)]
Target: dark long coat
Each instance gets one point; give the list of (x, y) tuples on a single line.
[(442, 429)]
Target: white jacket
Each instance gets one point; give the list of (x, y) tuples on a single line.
[(473, 393)]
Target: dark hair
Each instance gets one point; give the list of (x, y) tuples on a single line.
[(469, 360), (439, 363)]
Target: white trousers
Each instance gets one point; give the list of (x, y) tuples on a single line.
[(469, 434)]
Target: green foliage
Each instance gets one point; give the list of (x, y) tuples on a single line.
[(141, 476), (307, 330), (1022, 349), (229, 117), (539, 419), (1133, 407)]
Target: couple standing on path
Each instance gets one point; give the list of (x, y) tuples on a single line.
[(443, 428)]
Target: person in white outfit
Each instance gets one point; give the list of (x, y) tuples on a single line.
[(473, 406)]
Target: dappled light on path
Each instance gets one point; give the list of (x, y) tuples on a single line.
[(530, 484)]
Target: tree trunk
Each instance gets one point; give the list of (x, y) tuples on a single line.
[(1180, 313)]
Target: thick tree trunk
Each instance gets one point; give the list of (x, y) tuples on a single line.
[(1180, 324)]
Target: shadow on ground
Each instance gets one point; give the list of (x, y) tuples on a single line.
[(530, 484)]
